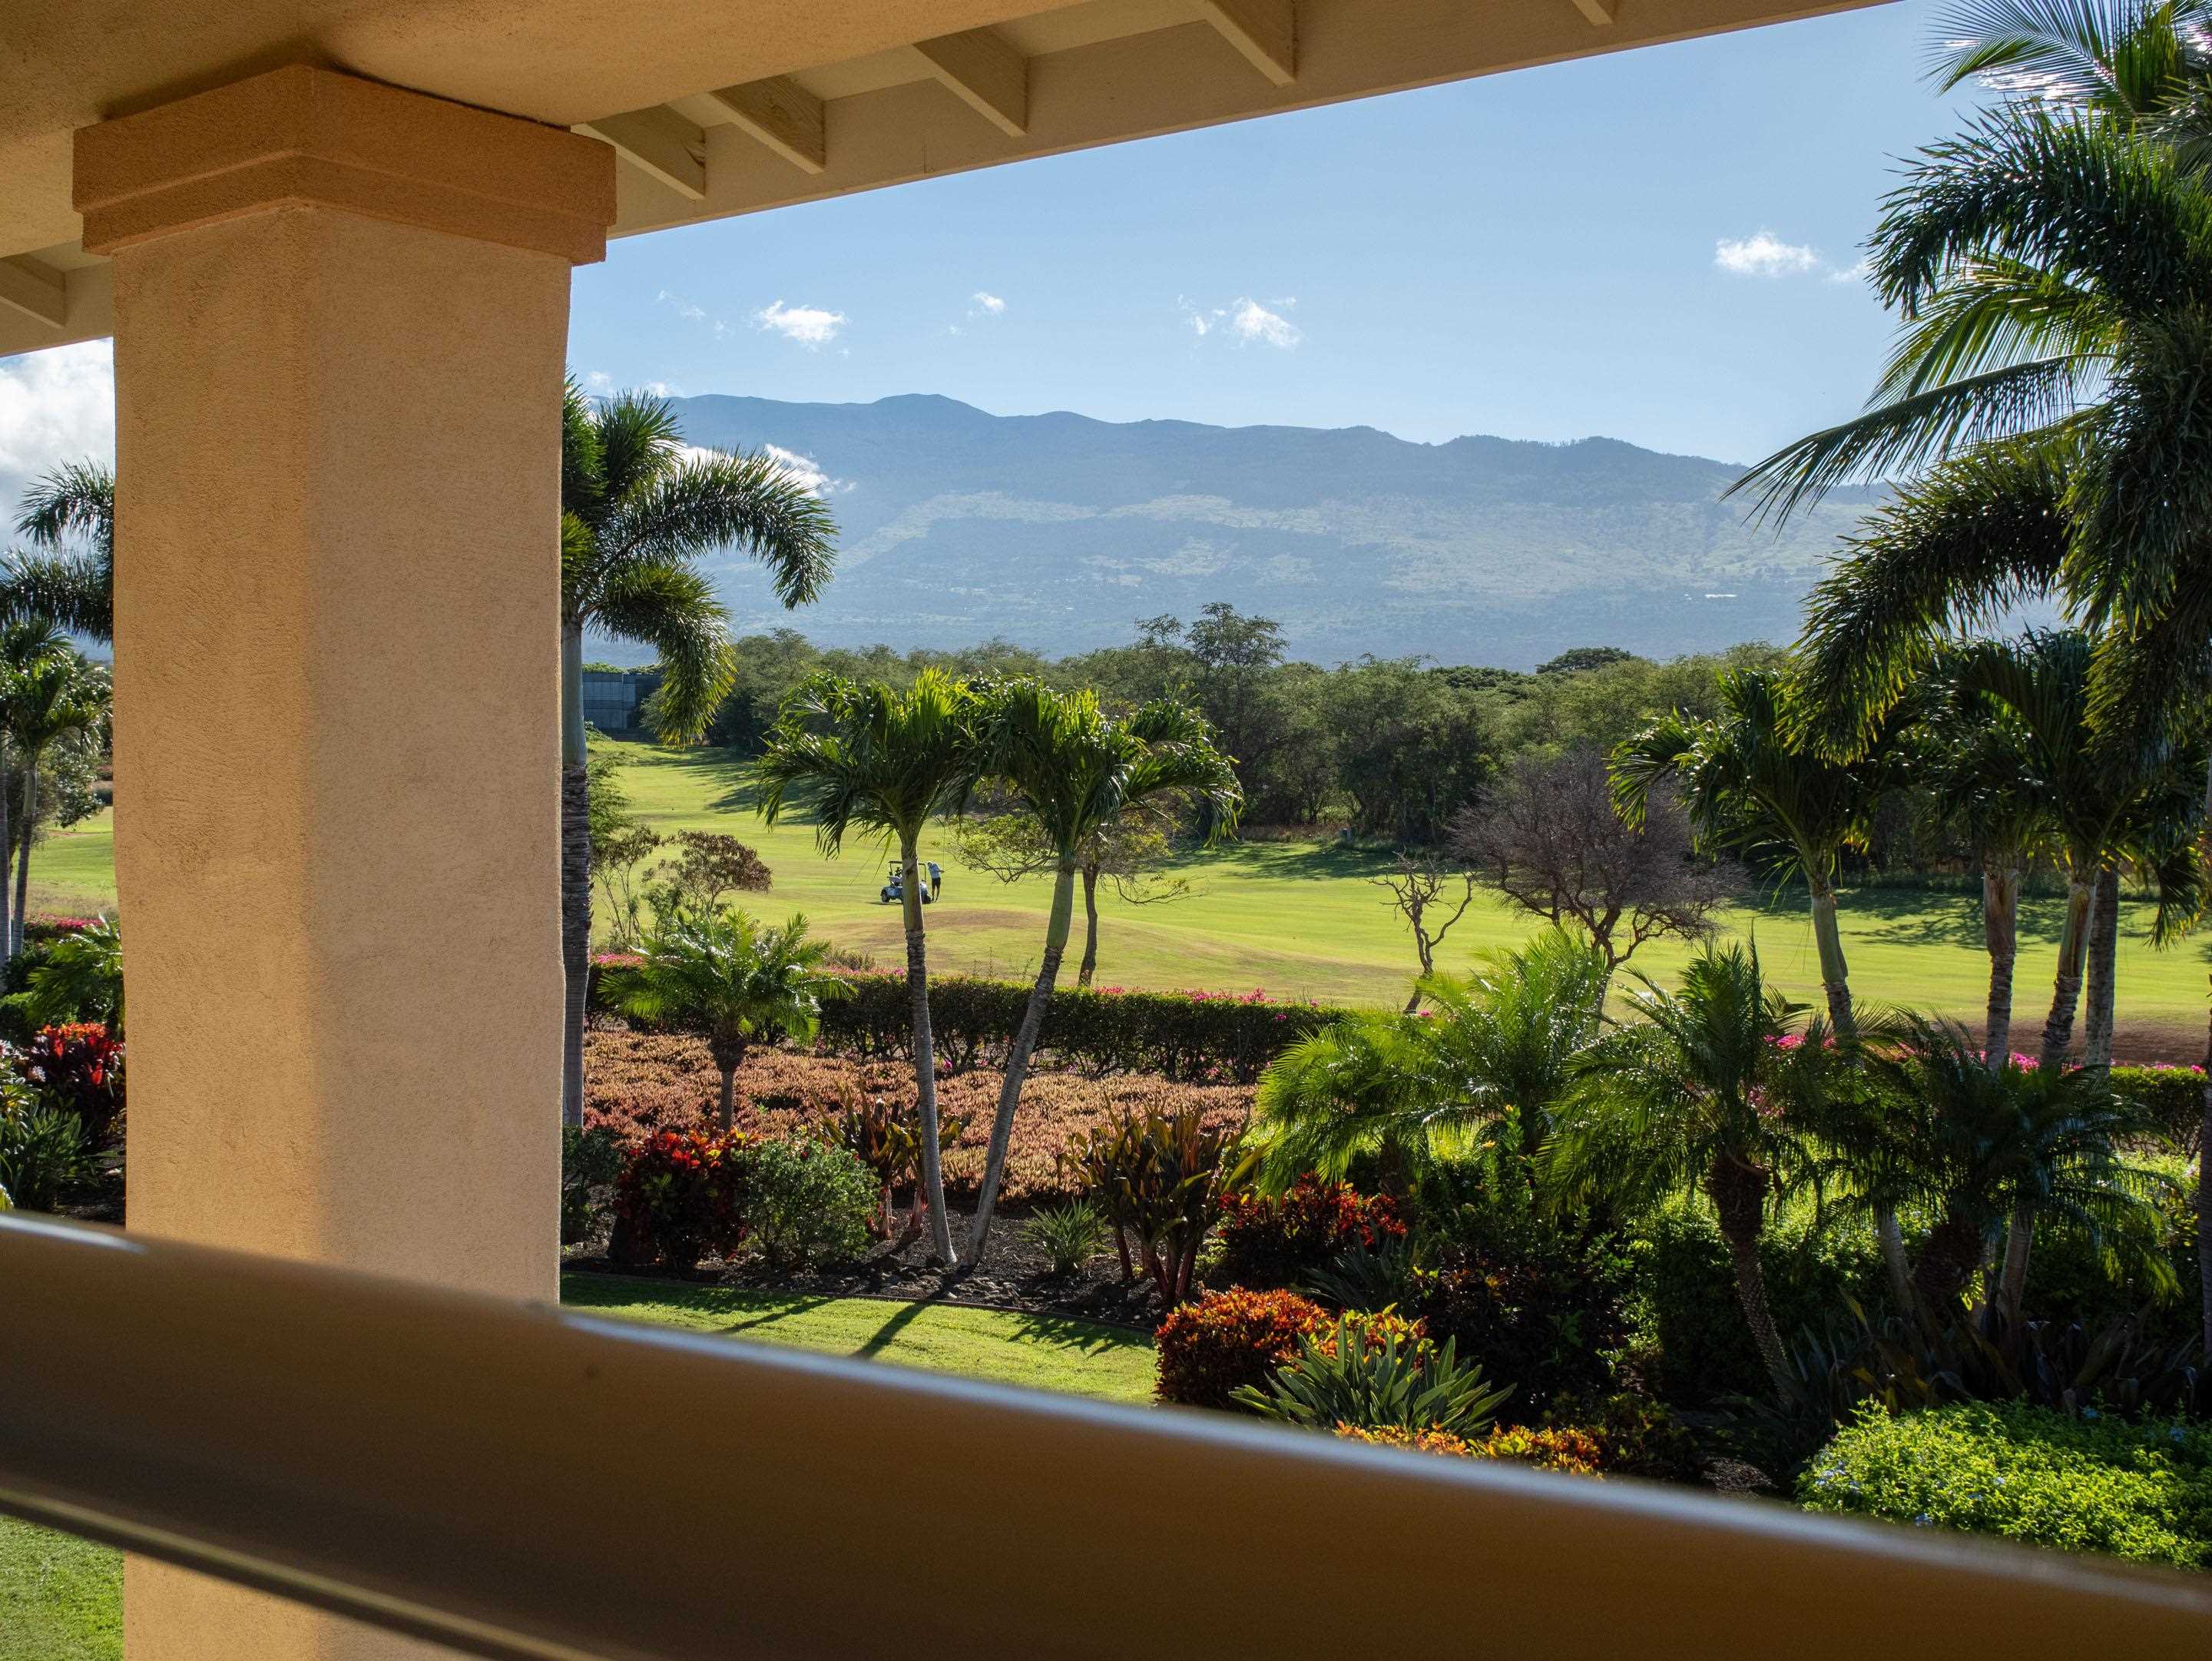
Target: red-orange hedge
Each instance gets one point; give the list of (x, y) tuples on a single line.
[(1208, 1348)]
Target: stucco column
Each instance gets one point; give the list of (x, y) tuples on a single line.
[(341, 318)]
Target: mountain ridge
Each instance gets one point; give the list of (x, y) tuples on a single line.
[(1058, 530)]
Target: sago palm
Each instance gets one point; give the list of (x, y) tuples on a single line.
[(741, 983), (870, 758), (639, 511), (1500, 1046), (1077, 771), (1707, 1092)]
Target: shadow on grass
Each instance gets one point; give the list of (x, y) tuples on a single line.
[(1076, 1337)]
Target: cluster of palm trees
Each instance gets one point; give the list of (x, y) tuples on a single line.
[(2047, 409), (881, 761), (1722, 1089)]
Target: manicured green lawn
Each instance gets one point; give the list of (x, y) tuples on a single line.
[(61, 1599), (1072, 1357), (1304, 920)]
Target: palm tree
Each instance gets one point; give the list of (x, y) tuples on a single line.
[(1075, 772), (1707, 1093), (74, 589), (1501, 1045), (881, 761), (55, 697), (1750, 789), (1981, 1147), (1974, 762), (744, 983), (24, 642), (638, 510), (2105, 804)]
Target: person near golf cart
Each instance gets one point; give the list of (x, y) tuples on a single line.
[(895, 889), (936, 880)]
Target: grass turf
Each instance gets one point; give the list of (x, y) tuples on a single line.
[(1304, 920), (1072, 1357), (61, 1599)]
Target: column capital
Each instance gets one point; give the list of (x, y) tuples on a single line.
[(303, 137)]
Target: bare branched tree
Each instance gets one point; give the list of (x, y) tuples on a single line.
[(1421, 888), (1548, 837)]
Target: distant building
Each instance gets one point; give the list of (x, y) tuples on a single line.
[(614, 698)]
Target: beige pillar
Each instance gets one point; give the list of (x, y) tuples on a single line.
[(341, 318)]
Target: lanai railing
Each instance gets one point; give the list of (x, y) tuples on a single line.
[(515, 1481)]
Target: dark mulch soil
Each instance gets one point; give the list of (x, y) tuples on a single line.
[(1014, 1275)]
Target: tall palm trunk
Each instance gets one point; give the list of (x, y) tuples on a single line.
[(23, 853), (2098, 988), (575, 875), (931, 1193), (1835, 974), (7, 925), (2057, 1038), (2001, 934), (1089, 966), (1836, 981), (1738, 1192), (1018, 1059), (2066, 985)]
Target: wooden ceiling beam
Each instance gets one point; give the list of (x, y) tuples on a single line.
[(661, 142), (1266, 31), (782, 115), (986, 72)]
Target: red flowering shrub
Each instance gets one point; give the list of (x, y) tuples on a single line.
[(680, 1196), (1227, 1339), (1279, 1242), (78, 1069)]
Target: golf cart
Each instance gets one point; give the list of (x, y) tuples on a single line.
[(895, 888)]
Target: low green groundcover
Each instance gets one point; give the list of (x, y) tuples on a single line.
[(61, 1599), (2136, 1489)]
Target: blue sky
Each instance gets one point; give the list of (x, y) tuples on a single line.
[(1655, 245)]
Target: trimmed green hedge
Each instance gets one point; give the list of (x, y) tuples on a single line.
[(1197, 1037), (2175, 1095), (2141, 1490)]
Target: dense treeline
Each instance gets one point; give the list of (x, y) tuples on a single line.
[(1390, 747)]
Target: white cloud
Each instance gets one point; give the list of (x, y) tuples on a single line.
[(598, 380), (1253, 321), (810, 326), (807, 472), (989, 302), (1858, 273), (56, 407), (1764, 255)]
